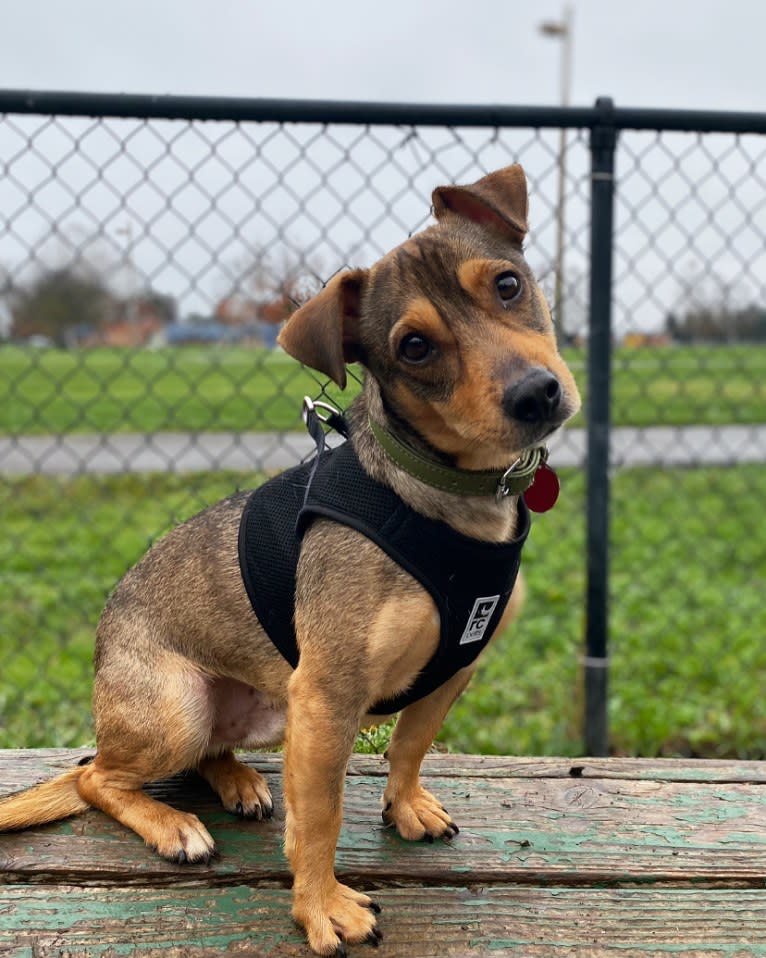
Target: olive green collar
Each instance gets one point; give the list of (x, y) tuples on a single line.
[(463, 482)]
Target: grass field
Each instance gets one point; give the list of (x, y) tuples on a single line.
[(232, 388), (117, 390), (688, 579)]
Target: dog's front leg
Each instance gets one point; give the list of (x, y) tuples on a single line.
[(320, 738), (415, 812)]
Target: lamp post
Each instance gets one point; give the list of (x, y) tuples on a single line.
[(561, 30), (131, 306)]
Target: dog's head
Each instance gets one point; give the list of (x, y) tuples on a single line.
[(453, 328)]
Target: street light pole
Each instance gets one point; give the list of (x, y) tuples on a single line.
[(131, 306), (561, 30)]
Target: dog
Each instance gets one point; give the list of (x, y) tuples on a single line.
[(463, 383)]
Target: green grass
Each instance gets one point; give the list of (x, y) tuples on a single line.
[(239, 389), (688, 579), (119, 390), (688, 385)]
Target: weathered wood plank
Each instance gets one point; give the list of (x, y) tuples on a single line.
[(513, 829), (22, 767), (428, 922)]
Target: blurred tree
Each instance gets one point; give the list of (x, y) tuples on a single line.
[(718, 324), (281, 281), (267, 287), (57, 304)]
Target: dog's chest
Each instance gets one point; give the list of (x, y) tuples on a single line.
[(470, 581)]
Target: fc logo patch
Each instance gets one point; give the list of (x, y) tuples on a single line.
[(479, 618)]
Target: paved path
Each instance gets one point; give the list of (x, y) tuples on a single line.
[(198, 452)]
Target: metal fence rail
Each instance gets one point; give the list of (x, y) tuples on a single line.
[(136, 211)]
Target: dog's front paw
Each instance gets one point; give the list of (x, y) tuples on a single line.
[(343, 916), (418, 816)]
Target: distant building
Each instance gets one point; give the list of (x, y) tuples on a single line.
[(640, 340), (205, 332), (136, 322), (262, 319), (236, 310)]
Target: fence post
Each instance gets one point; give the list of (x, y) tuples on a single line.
[(603, 141)]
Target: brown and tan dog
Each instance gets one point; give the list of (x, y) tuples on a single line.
[(462, 366)]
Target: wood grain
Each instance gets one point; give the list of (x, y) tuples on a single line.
[(427, 922)]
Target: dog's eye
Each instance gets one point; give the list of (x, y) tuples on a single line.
[(508, 286), (414, 348)]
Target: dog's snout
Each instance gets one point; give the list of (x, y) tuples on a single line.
[(535, 398)]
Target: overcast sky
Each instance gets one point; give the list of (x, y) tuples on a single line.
[(669, 53)]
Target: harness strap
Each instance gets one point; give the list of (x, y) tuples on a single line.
[(314, 420)]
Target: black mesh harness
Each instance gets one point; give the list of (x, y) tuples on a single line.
[(470, 581)]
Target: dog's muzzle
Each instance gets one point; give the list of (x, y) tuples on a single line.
[(534, 399)]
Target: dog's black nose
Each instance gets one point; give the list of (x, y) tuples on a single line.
[(535, 398)]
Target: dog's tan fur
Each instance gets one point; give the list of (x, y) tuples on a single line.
[(184, 673)]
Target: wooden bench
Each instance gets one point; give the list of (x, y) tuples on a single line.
[(555, 857)]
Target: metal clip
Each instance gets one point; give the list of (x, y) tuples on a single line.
[(525, 468), (322, 410), (502, 486)]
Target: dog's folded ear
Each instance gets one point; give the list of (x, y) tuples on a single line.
[(498, 202), (323, 332)]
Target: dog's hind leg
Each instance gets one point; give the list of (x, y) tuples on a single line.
[(177, 836), (242, 789), (243, 717), (151, 723)]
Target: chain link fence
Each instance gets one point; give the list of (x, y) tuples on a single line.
[(145, 266)]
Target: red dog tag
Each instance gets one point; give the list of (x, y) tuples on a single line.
[(544, 491)]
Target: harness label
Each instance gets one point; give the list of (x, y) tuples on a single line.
[(479, 618)]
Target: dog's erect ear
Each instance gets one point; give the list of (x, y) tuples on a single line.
[(498, 201), (322, 334)]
